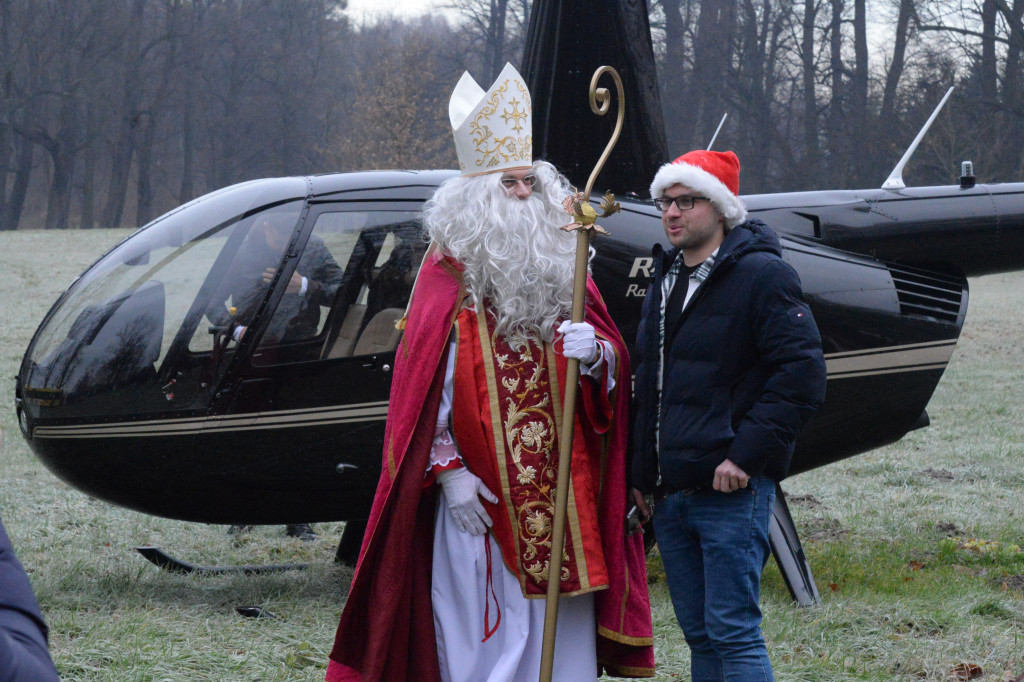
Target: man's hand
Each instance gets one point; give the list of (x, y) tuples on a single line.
[(729, 477), (579, 341), (463, 490), (641, 504), (294, 284)]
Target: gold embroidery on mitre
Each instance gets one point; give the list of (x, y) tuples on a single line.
[(497, 134), (493, 149)]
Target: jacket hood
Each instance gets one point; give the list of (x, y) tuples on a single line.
[(751, 236)]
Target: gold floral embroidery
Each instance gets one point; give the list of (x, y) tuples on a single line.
[(538, 523), (531, 443), (527, 475)]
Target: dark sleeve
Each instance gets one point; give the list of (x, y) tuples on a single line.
[(24, 656), (324, 276), (790, 355)]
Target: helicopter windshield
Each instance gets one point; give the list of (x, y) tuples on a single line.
[(113, 335)]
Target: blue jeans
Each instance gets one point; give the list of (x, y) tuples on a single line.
[(714, 547)]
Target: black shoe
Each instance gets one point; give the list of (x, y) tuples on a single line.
[(301, 531), (238, 529)]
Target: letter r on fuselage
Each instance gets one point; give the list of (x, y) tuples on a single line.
[(642, 266)]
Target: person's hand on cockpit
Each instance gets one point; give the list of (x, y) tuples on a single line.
[(294, 284)]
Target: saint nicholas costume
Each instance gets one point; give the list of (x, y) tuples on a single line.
[(504, 407)]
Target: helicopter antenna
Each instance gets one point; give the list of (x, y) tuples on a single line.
[(720, 124), (895, 180)]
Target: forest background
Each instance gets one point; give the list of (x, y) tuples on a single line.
[(114, 111)]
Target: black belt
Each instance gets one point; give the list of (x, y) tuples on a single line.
[(661, 493)]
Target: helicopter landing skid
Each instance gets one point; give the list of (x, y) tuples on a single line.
[(166, 562)]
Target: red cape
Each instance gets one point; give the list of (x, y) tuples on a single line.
[(387, 630)]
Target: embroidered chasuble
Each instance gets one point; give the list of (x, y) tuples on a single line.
[(507, 421)]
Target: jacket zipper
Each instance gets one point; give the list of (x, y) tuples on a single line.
[(661, 369), (682, 319)]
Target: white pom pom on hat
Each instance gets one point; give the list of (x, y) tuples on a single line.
[(716, 175)]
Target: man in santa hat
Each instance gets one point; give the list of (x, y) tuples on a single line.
[(730, 369), (452, 574)]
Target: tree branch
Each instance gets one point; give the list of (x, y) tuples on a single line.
[(962, 31)]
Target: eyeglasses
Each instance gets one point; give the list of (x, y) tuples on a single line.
[(683, 203), (510, 183)]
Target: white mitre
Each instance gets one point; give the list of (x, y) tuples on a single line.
[(494, 129)]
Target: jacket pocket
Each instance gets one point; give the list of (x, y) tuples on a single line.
[(690, 469)]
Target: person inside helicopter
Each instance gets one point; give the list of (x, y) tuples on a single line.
[(313, 283)]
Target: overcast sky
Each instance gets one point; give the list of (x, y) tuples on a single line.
[(356, 8)]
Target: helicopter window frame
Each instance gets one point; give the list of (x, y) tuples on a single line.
[(355, 281)]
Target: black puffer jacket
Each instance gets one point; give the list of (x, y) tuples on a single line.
[(743, 372)]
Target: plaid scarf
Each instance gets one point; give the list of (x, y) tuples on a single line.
[(669, 282)]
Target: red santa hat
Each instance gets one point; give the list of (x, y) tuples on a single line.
[(716, 175)]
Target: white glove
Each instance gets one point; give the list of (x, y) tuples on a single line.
[(579, 341), (462, 490)]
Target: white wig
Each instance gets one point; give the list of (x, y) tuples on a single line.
[(515, 255)]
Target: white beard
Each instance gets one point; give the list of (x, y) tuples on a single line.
[(515, 255)]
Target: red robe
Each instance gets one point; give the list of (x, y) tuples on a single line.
[(386, 630)]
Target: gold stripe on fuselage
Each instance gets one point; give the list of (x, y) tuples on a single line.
[(914, 357), (337, 414), (889, 360)]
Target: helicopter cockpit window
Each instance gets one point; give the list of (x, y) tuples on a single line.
[(376, 254), (116, 335), (249, 270)]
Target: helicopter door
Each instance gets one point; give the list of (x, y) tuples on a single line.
[(317, 385)]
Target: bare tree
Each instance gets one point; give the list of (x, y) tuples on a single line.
[(131, 62), (398, 116), (809, 63), (495, 31), (675, 69), (764, 28), (15, 150)]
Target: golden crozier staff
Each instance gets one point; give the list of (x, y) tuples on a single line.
[(578, 206)]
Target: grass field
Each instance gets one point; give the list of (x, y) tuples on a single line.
[(916, 548)]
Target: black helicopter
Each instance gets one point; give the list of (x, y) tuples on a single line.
[(138, 389)]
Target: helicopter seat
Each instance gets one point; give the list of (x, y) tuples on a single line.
[(380, 335), (345, 344)]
